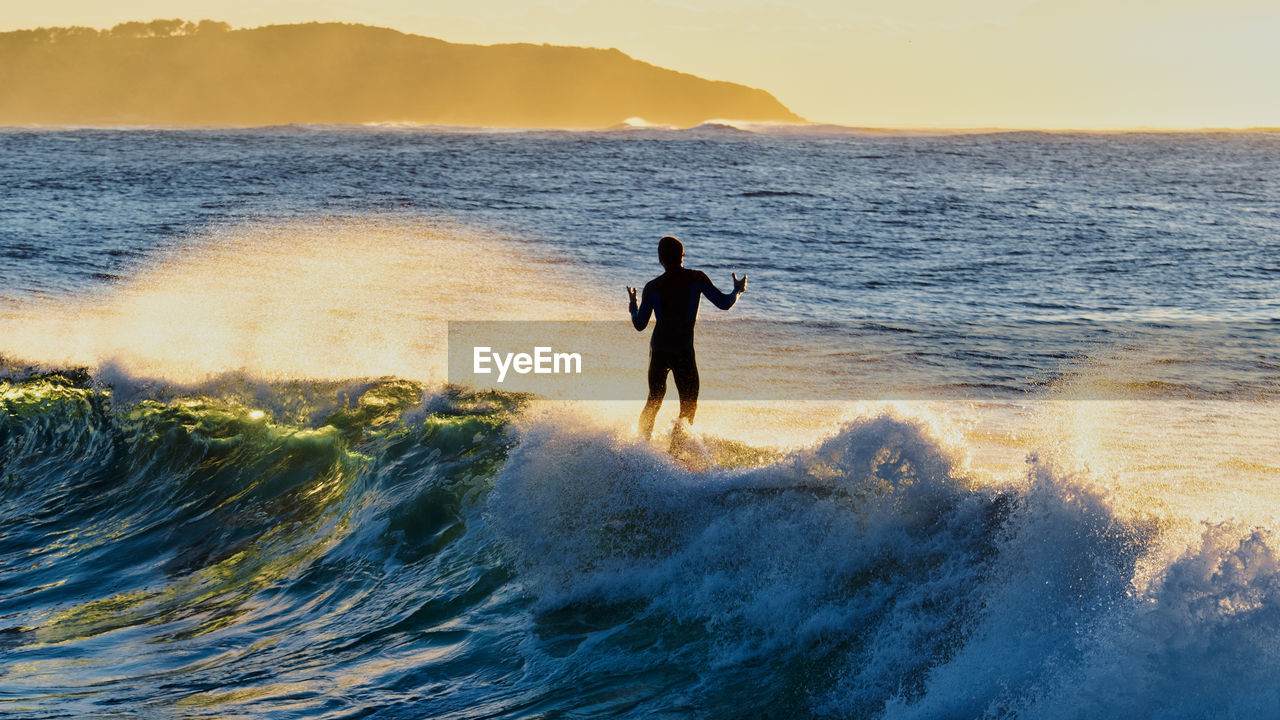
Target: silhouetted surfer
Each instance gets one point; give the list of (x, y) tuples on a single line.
[(673, 298)]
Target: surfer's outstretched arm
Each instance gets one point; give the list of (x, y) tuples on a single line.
[(717, 298), (640, 315)]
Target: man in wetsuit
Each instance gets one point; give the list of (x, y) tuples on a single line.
[(673, 298)]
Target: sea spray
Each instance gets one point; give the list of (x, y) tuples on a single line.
[(323, 298)]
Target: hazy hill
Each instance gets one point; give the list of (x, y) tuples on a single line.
[(174, 73)]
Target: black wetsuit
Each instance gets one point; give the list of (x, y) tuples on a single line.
[(673, 299)]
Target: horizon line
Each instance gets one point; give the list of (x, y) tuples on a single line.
[(711, 124)]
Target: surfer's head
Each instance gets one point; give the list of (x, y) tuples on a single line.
[(670, 252)]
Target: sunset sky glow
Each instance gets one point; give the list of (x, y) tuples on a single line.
[(1088, 64)]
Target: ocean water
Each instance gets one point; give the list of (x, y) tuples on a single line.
[(991, 434)]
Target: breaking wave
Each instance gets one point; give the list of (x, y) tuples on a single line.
[(393, 548)]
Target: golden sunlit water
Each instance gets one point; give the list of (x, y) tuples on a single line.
[(333, 300)]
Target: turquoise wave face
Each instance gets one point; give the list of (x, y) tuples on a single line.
[(386, 549), (208, 541)]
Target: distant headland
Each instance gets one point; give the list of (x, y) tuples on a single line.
[(172, 72)]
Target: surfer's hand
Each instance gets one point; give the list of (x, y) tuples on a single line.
[(631, 293), (739, 286)]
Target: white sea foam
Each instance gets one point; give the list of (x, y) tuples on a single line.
[(936, 594)]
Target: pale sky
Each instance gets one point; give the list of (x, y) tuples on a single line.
[(904, 63)]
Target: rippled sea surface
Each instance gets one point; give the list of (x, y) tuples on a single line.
[(996, 431)]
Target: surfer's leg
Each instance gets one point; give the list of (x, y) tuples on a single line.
[(657, 388), (684, 368)]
